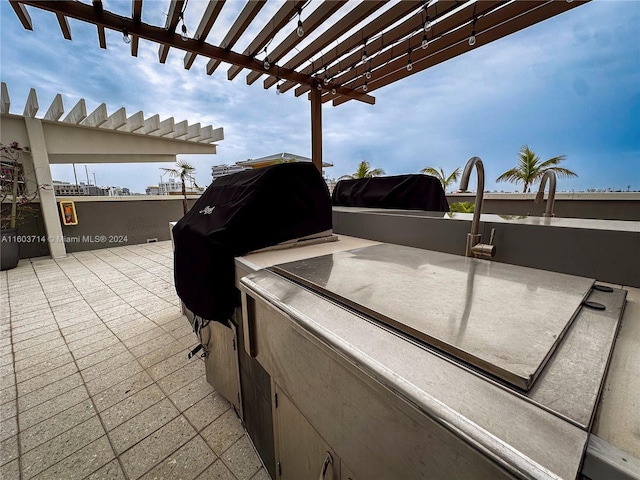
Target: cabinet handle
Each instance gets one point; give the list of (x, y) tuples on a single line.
[(327, 461)]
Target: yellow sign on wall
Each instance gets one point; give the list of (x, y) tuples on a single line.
[(68, 211)]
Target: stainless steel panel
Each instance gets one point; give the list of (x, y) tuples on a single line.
[(379, 435), (504, 319), (301, 450), (570, 384), (529, 441), (222, 363)]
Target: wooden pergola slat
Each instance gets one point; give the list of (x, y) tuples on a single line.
[(246, 16), (339, 28), (505, 21), (104, 19), (372, 29), (313, 21), (279, 20), (208, 19), (411, 28), (173, 17), (64, 26), (352, 66)]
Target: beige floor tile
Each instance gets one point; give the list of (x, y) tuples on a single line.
[(99, 356), (156, 447), (41, 355), (81, 463), (49, 392), (41, 367), (10, 470), (39, 342), (55, 425), (46, 378), (147, 335), (186, 463), (36, 332), (122, 390), (108, 365), (131, 406), (169, 365), (242, 459), (223, 432), (39, 350), (152, 344), (263, 475), (59, 448), (8, 450), (182, 377), (75, 333), (93, 348), (207, 410), (113, 377), (161, 354), (8, 428), (135, 429), (92, 340), (8, 409), (111, 471), (52, 407), (217, 471), (191, 394)]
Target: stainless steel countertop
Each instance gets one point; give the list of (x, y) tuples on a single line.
[(531, 441), (504, 319)]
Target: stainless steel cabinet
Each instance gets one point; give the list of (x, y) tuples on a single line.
[(301, 452), (222, 361)]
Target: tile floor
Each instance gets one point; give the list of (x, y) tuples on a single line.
[(95, 380)]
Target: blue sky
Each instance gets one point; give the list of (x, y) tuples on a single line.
[(567, 86)]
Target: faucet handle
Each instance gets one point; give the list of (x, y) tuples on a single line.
[(492, 236)]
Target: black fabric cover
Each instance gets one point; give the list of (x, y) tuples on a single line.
[(407, 192), (247, 211)]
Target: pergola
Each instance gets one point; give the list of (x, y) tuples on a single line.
[(370, 45)]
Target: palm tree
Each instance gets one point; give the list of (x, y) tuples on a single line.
[(531, 170), (440, 175), (365, 171), (184, 171)]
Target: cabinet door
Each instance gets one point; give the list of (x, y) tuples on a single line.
[(222, 363), (302, 453)]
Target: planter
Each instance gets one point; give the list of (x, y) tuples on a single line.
[(9, 249)]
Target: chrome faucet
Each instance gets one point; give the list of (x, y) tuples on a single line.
[(551, 176), (474, 247)]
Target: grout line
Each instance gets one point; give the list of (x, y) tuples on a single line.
[(15, 379)]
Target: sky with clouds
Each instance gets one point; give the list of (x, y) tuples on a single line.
[(567, 86)]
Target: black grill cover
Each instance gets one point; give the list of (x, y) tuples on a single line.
[(239, 213), (408, 192)]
